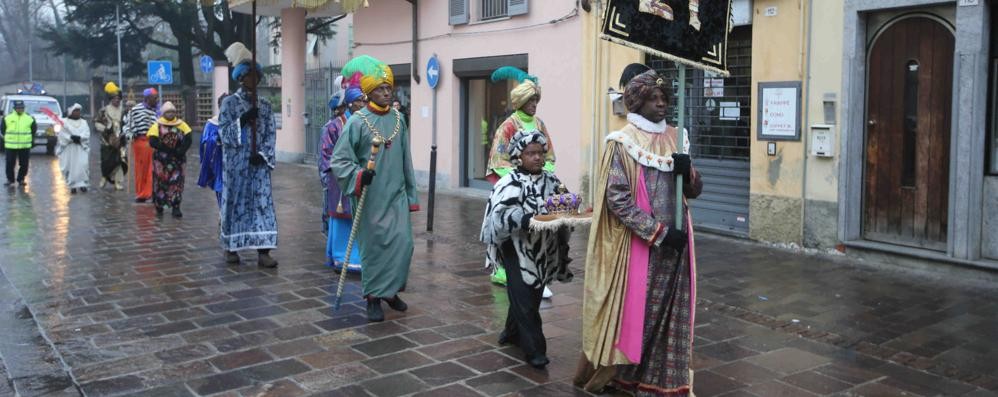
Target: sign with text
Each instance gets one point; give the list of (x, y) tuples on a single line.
[(779, 111)]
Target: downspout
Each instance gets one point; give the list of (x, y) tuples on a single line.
[(415, 41), (807, 118)]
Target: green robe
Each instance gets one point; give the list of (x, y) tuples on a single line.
[(384, 236)]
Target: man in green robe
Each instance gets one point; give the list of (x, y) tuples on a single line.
[(384, 234)]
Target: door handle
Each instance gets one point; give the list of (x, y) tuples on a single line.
[(872, 122)]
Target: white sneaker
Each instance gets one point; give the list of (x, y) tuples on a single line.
[(547, 293)]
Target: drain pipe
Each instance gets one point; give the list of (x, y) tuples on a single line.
[(594, 133), (806, 105)]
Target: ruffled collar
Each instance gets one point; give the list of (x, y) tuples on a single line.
[(171, 123), (647, 125)]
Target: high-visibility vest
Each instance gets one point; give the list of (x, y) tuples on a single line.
[(17, 134)]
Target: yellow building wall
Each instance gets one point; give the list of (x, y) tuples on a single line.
[(602, 64), (824, 78), (775, 212)]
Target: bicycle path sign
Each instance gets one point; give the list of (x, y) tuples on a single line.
[(160, 72)]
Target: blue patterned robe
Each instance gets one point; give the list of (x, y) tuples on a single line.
[(247, 214)]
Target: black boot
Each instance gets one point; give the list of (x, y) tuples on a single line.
[(374, 312), (177, 213), (539, 361), (397, 304), (159, 211)]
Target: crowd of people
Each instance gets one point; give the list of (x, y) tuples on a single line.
[(640, 273)]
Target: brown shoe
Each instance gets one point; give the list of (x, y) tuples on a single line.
[(267, 261)]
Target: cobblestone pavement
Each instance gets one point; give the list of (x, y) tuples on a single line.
[(99, 297)]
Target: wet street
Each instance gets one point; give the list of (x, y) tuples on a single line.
[(100, 297)]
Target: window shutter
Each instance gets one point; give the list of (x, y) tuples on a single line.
[(517, 7), (458, 12)]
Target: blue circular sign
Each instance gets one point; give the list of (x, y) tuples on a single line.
[(433, 72), (207, 64)]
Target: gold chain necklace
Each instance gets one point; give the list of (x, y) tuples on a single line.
[(398, 127)]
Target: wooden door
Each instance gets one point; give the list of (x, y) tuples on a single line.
[(908, 134)]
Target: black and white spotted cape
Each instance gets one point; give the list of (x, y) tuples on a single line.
[(516, 194)]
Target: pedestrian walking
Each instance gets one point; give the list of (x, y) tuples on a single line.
[(140, 118), (108, 123), (249, 135), (524, 97), (384, 230), (210, 153), (18, 132), (530, 257), (640, 273), (74, 150), (170, 137), (336, 209)]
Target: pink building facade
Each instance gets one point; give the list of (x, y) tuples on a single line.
[(541, 37)]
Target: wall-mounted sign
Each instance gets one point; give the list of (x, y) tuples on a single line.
[(713, 88), (779, 111)]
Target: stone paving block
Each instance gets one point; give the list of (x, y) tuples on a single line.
[(383, 346), (219, 383), (457, 331), (168, 328), (816, 383), (169, 391), (394, 385), (154, 308), (455, 390), (488, 362), (499, 383), (294, 348), (849, 374), (208, 334), (220, 319), (303, 304), (256, 325), (726, 351), (240, 359), (242, 341), (332, 357), (342, 322), (113, 368), (420, 322), (238, 304), (348, 391), (184, 353), (455, 349), (296, 331), (777, 389), (788, 360), (744, 372), (335, 377), (398, 361), (119, 385), (424, 337), (281, 388), (554, 390), (381, 330)]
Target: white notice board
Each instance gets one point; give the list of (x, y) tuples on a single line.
[(779, 111)]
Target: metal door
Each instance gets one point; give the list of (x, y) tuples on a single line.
[(318, 89)]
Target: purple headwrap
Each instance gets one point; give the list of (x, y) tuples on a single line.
[(641, 87)]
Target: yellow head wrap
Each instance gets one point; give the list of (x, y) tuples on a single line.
[(382, 74), (523, 92), (111, 89)]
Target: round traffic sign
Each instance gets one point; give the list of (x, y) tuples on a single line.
[(433, 72)]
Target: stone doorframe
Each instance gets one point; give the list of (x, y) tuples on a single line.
[(970, 82)]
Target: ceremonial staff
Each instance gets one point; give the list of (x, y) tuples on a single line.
[(376, 143)]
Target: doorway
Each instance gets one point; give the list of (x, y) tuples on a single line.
[(487, 106), (908, 128)]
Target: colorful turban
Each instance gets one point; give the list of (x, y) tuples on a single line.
[(372, 72), (519, 143), (523, 92), (641, 87), (337, 99), (148, 92), (354, 94), (112, 89)]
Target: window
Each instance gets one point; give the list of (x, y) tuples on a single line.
[(459, 11)]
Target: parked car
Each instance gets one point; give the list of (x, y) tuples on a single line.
[(39, 107)]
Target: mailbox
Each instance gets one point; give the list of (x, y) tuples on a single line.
[(823, 140)]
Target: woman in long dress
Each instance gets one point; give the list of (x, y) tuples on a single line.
[(74, 151)]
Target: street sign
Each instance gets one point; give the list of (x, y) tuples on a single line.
[(207, 64), (160, 72), (433, 72)]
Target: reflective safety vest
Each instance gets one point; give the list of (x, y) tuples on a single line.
[(17, 134)]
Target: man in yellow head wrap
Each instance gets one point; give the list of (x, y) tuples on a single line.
[(108, 123), (385, 228)]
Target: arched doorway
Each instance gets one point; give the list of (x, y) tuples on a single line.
[(908, 126)]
